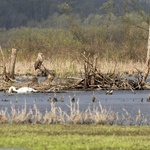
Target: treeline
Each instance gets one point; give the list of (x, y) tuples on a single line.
[(47, 13), (117, 42), (64, 31)]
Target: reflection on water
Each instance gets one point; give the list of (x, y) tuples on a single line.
[(119, 101)]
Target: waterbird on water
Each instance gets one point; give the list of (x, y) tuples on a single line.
[(52, 99), (72, 99), (55, 99), (21, 90), (93, 97), (142, 100)]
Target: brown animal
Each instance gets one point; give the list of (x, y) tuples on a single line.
[(39, 61)]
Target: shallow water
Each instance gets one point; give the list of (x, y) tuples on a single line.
[(118, 102)]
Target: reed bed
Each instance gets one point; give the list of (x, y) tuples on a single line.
[(69, 67), (95, 114)]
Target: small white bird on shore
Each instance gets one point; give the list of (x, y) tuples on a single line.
[(21, 90), (109, 92)]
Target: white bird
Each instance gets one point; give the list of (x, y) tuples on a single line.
[(109, 92), (21, 90)]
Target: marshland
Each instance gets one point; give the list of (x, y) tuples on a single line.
[(90, 74)]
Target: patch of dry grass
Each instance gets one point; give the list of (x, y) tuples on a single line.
[(69, 67), (95, 114), (128, 67)]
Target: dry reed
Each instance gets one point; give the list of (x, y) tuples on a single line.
[(96, 114), (68, 67)]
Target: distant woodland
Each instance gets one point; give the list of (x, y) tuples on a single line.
[(48, 13), (115, 30)]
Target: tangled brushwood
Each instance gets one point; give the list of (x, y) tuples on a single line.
[(95, 114), (94, 78)]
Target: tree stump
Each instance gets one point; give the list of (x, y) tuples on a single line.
[(8, 76), (12, 63)]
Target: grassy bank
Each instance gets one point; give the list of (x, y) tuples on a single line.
[(40, 137)]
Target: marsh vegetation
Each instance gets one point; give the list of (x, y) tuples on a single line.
[(115, 40), (116, 37), (72, 113)]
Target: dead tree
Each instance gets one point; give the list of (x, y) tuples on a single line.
[(90, 69), (93, 78), (4, 72), (8, 76), (12, 63), (147, 70)]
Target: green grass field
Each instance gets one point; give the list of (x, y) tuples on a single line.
[(72, 137)]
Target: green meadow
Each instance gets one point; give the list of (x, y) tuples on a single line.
[(73, 137)]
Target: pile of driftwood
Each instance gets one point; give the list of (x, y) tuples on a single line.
[(95, 79)]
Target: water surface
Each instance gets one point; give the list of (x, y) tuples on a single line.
[(119, 101)]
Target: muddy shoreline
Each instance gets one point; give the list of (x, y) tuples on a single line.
[(62, 84)]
